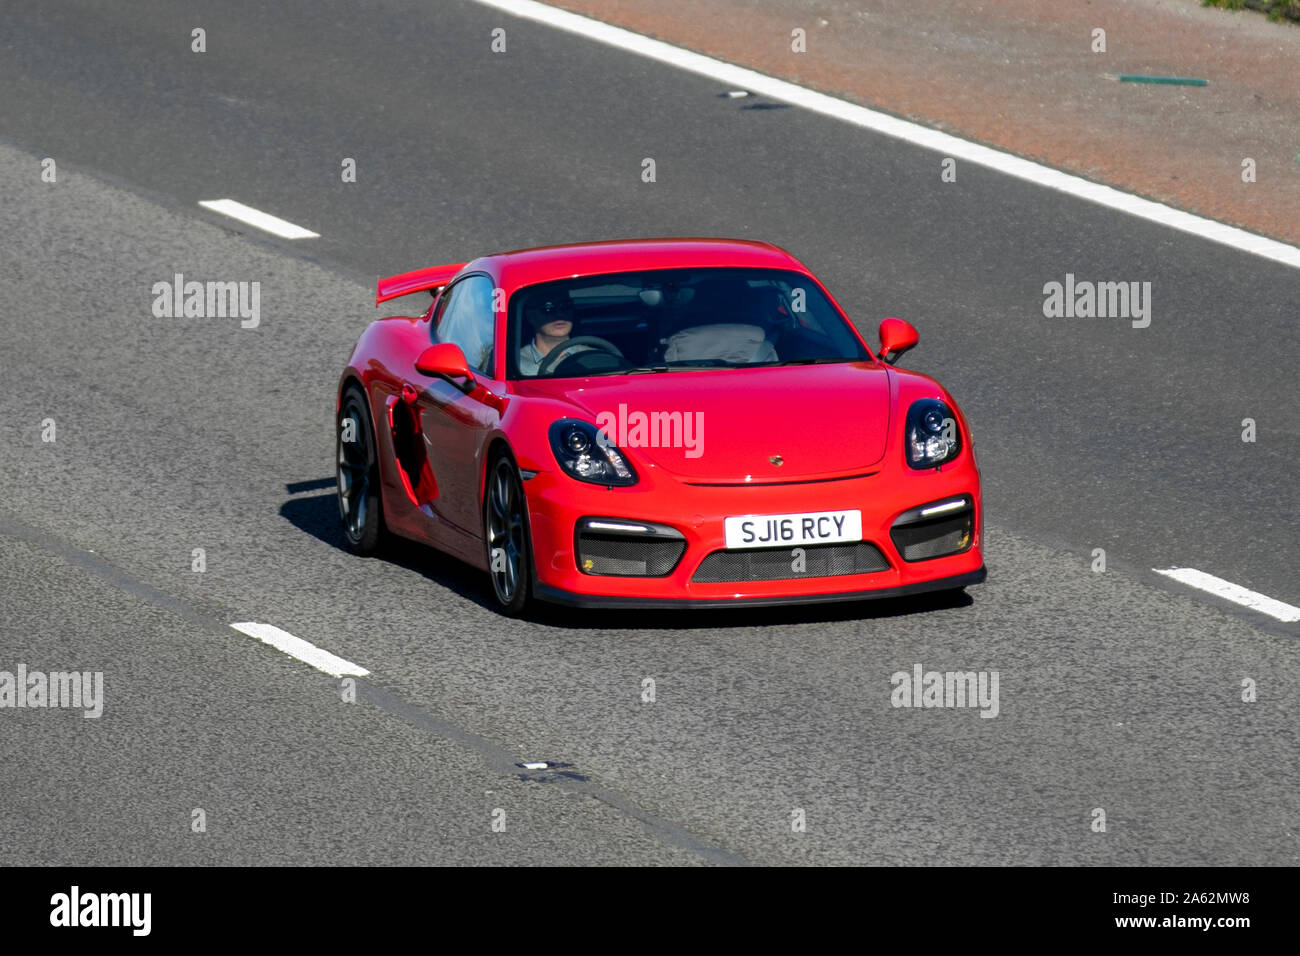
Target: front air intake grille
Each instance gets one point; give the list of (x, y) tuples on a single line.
[(779, 564), (628, 556), (934, 539)]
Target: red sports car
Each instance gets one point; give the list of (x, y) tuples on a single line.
[(646, 423)]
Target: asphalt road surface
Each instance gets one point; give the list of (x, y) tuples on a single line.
[(1119, 691)]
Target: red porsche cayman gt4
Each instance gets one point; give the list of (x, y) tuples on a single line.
[(647, 423)]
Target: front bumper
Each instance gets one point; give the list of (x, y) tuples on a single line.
[(556, 504), (571, 599)]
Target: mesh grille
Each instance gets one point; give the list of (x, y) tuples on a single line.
[(933, 539), (777, 564), (642, 557)]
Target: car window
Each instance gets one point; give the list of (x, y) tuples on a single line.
[(467, 320)]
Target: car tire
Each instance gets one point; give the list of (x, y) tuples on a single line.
[(506, 536), (360, 498)]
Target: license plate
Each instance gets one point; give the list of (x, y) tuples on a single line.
[(788, 531)]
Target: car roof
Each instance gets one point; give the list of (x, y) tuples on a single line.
[(524, 267)]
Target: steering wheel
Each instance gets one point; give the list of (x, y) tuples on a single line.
[(562, 351)]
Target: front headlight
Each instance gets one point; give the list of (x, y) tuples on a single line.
[(588, 455), (932, 434)]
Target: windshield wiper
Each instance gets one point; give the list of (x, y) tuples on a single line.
[(825, 360), (647, 369)]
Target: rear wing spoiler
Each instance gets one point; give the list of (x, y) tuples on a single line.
[(421, 280)]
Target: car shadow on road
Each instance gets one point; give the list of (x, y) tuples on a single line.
[(318, 516), (748, 617)]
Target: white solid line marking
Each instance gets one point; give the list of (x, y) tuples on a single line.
[(1233, 592), (737, 77), (302, 650), (255, 217)]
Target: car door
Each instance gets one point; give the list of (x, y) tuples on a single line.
[(454, 425)]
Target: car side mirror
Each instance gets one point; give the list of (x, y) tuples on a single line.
[(446, 360), (896, 337)]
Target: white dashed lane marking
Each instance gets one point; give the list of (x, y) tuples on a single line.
[(1233, 592), (302, 650), (261, 220)]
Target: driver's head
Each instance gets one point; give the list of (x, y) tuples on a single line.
[(550, 315)]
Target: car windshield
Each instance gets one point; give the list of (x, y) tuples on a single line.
[(674, 320)]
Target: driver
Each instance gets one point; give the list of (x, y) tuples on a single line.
[(550, 317)]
